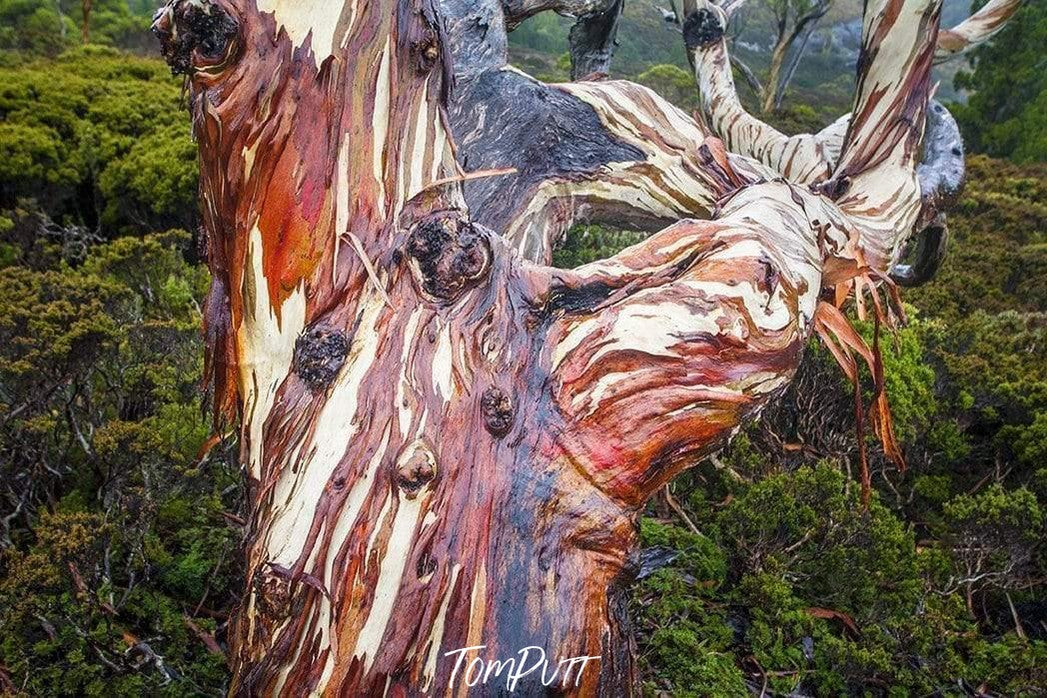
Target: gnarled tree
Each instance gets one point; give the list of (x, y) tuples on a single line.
[(448, 442)]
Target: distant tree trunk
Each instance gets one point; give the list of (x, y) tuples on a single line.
[(85, 30), (794, 62), (792, 24), (448, 444), (61, 18)]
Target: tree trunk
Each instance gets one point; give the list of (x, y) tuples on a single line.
[(448, 444), (85, 29), (777, 83), (772, 86)]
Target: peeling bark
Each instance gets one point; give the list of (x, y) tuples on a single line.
[(448, 444)]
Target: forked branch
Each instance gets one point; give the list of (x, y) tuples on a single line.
[(671, 344)]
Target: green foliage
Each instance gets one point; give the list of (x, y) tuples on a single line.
[(1006, 116), (47, 27), (98, 136), (908, 377), (997, 254), (35, 27), (587, 243), (823, 597), (672, 82), (119, 535)]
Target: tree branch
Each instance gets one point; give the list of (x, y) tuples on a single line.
[(669, 346), (976, 29), (750, 77), (804, 28), (801, 159), (608, 151), (875, 179), (592, 40)]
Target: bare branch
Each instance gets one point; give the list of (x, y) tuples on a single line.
[(976, 29), (592, 40), (750, 77), (800, 158), (793, 63), (683, 336), (875, 179)]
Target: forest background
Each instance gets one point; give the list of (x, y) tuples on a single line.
[(121, 514)]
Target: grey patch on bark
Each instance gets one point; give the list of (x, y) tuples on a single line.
[(942, 170), (475, 35), (581, 299), (505, 119), (930, 244), (592, 40), (942, 173)]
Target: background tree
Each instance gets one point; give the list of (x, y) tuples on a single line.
[(1006, 114), (98, 135), (794, 22)]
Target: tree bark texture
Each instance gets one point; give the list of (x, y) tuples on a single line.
[(448, 443)]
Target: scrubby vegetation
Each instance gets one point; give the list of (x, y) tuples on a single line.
[(1006, 115), (121, 512)]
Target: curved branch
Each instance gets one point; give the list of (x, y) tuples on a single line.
[(810, 159), (668, 347), (875, 178), (976, 29), (891, 109), (664, 349), (608, 151), (588, 150), (801, 158)]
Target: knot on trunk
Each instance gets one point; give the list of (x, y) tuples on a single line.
[(498, 412), (834, 189), (415, 468), (702, 28), (194, 35), (452, 256), (425, 46), (272, 588), (319, 353)]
